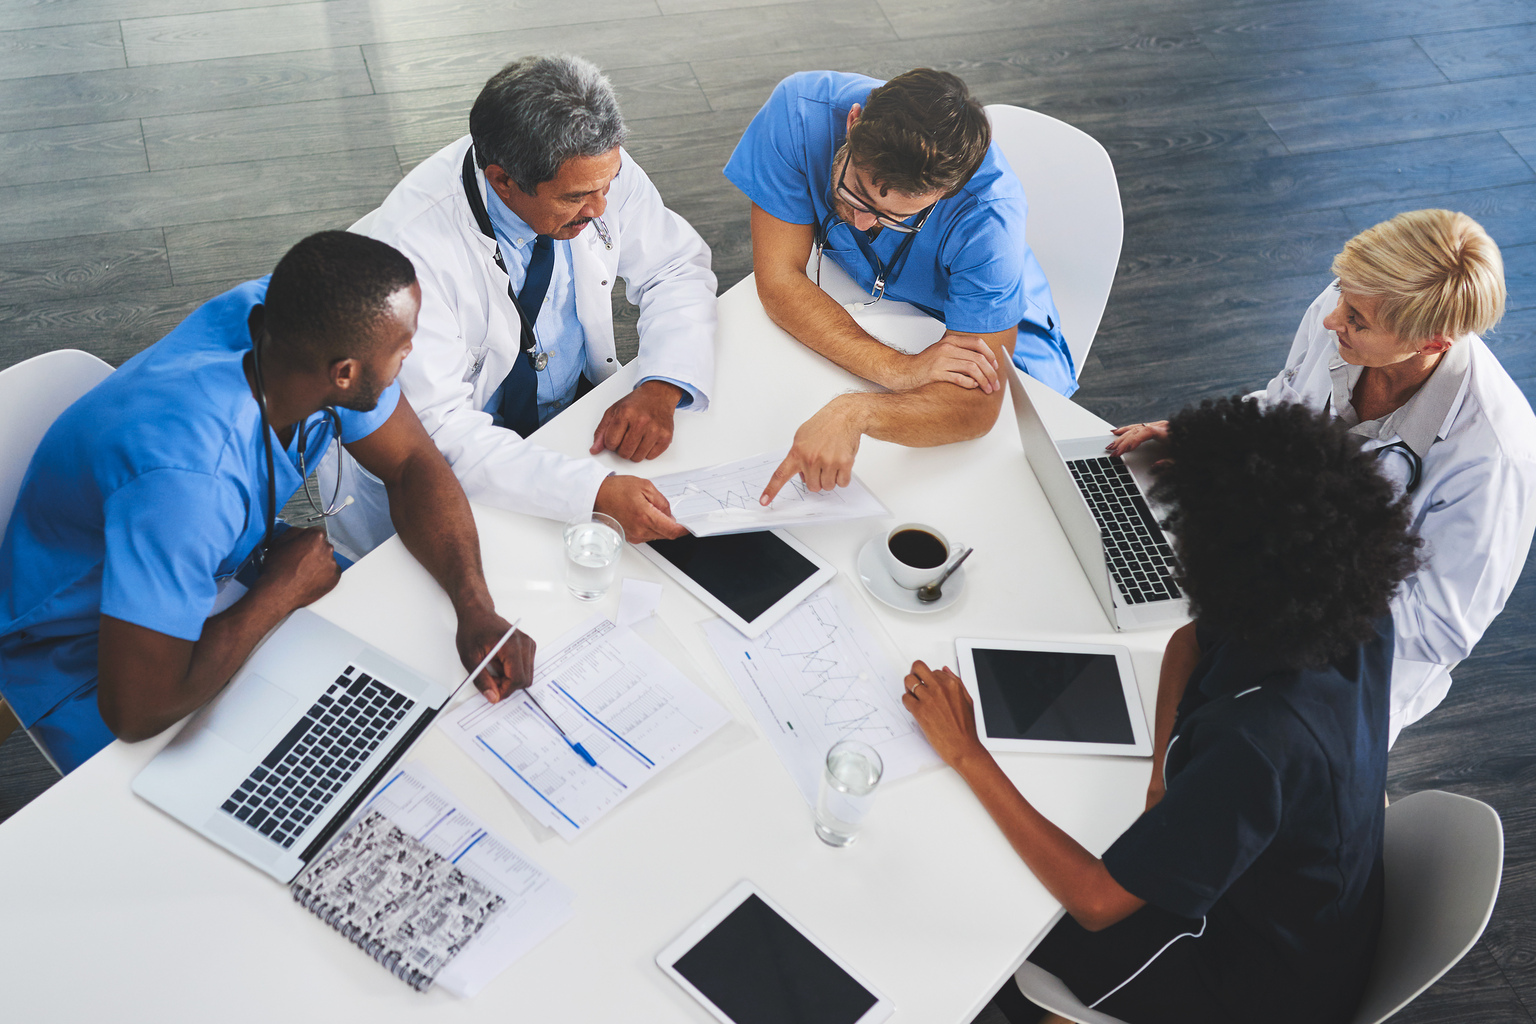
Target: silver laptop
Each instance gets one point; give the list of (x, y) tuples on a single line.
[(1102, 505), (274, 765)]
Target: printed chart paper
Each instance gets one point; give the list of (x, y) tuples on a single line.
[(724, 499), (535, 904), (817, 677), (628, 707)]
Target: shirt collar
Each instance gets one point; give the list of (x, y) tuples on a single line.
[(1424, 417), (508, 225)]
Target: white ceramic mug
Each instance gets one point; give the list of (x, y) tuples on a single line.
[(912, 576)]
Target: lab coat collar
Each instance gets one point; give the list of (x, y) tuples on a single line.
[(1422, 419)]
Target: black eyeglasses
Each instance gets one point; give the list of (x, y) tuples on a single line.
[(885, 220)]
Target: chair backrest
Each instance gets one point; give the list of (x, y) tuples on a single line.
[(32, 394), (1075, 223), (1444, 858)]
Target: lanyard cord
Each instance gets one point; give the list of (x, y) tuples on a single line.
[(266, 440), (483, 221)]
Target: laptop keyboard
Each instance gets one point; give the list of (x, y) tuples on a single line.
[(1140, 560), (295, 782)]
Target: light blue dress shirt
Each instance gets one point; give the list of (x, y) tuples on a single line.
[(557, 330)]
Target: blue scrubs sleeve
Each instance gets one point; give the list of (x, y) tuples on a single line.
[(357, 425), (768, 163), (166, 533), (986, 271), (1220, 812)]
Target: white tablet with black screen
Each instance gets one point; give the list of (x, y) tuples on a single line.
[(1054, 697), (751, 580), (748, 962)]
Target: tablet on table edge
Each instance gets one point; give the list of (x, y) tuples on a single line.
[(722, 956)]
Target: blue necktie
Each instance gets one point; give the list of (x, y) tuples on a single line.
[(520, 391)]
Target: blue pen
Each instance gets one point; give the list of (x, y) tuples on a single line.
[(574, 746)]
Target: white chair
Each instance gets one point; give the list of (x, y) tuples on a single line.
[(363, 223), (1444, 857), (1075, 223), (32, 394)]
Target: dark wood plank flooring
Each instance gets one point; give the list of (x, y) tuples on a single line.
[(155, 152)]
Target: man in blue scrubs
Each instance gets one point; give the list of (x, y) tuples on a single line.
[(899, 185), (120, 607)]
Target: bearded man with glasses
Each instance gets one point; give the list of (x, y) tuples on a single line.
[(899, 185)]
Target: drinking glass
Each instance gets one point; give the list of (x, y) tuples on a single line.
[(848, 781), (593, 544)]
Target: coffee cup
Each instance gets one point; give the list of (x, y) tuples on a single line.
[(915, 554)]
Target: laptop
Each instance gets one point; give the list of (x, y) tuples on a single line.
[(1101, 503), (276, 764)]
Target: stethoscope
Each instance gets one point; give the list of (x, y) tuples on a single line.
[(881, 268), (1415, 464), (332, 507)]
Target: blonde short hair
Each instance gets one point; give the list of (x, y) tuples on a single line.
[(1431, 271)]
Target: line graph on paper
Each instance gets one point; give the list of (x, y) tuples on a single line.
[(724, 498), (817, 677), (834, 683)]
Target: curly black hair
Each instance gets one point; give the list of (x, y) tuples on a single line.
[(1291, 540)]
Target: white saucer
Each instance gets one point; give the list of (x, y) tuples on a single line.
[(879, 583)]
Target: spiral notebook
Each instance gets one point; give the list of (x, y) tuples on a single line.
[(396, 900)]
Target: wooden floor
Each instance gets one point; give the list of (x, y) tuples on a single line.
[(154, 152)]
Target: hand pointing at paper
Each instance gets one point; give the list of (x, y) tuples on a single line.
[(823, 452)]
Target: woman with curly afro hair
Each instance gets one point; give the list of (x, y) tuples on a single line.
[(1250, 888)]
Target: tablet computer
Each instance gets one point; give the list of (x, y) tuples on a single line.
[(1054, 697), (751, 580), (748, 962)]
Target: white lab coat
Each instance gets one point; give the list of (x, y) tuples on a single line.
[(1474, 507), (468, 334)]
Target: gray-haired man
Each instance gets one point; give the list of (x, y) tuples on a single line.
[(518, 232)]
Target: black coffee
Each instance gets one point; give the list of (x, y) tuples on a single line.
[(918, 548)]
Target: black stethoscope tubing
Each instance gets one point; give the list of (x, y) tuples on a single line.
[(1415, 463), (331, 507)]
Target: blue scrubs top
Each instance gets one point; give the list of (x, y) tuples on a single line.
[(1271, 828), (142, 496), (969, 266)]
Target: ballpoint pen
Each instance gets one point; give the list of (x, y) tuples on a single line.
[(569, 742)]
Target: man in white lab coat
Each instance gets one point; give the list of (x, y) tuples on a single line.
[(518, 232)]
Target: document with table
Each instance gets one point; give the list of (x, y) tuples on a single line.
[(819, 676), (724, 498), (605, 714)]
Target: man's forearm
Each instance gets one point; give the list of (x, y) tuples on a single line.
[(149, 682), (434, 521), (821, 324), (933, 414)]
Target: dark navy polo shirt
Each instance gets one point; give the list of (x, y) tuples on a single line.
[(1271, 827)]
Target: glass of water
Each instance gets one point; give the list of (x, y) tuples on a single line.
[(593, 544), (848, 783)]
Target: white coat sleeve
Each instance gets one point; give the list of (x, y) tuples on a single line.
[(666, 272), (1475, 528), (495, 465), (1287, 386)]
